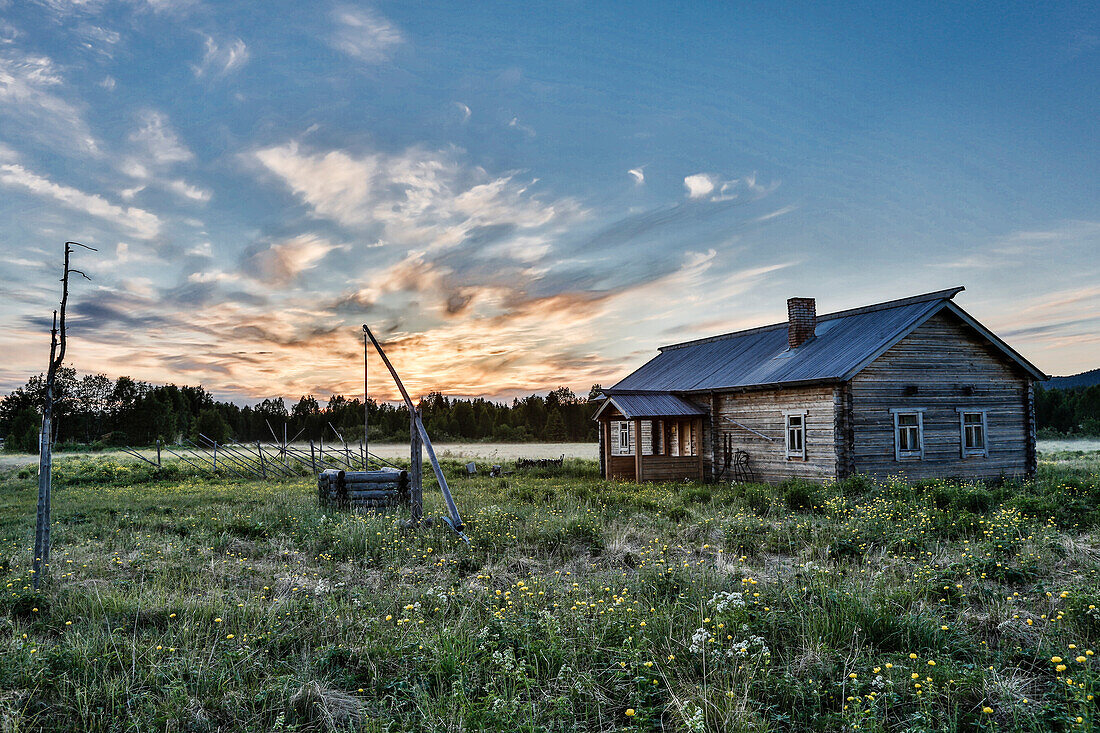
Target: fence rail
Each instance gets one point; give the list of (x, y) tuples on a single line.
[(261, 460)]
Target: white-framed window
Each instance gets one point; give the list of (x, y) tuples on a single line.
[(626, 439), (973, 435), (796, 433), (908, 433)]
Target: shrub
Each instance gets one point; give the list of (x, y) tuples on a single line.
[(697, 495), (758, 498), (857, 485), (978, 501), (801, 494)]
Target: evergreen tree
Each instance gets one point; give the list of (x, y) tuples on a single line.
[(555, 428)]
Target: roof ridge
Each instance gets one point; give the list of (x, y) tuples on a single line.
[(946, 294)]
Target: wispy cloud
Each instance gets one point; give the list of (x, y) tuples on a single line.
[(1012, 250), (8, 32), (416, 197), (158, 140), (638, 175), (221, 58), (280, 262), (713, 187), (515, 124), (97, 39), (158, 148), (137, 221), (364, 34), (32, 108)]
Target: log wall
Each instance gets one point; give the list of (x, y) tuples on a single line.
[(941, 366), (348, 489), (671, 468), (763, 411), (621, 467)]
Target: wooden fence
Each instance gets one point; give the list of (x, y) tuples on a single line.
[(261, 460)]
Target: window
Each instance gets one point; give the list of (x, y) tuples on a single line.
[(972, 432), (796, 434), (908, 433), (625, 439)]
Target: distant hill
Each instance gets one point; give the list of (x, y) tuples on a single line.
[(1084, 379)]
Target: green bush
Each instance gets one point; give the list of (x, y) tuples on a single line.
[(801, 494)]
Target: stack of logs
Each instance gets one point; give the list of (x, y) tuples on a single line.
[(349, 489)]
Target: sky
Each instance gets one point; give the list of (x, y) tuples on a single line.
[(517, 196)]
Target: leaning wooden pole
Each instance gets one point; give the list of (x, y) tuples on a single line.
[(366, 406), (456, 519), (45, 442), (416, 471)]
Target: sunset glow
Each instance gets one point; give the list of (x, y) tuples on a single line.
[(517, 199)]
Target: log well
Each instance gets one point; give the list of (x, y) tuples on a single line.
[(373, 489)]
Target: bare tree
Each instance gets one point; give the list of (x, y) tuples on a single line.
[(45, 439)]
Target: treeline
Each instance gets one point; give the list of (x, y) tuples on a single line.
[(1068, 412), (96, 410)]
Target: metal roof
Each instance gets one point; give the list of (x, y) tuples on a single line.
[(844, 343), (660, 404)]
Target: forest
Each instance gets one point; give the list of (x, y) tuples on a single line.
[(94, 410), (1069, 412)]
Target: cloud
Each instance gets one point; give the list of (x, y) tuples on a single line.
[(781, 211), (158, 148), (415, 197), (31, 108), (1015, 248), (186, 190), (639, 176), (698, 185), (282, 262), (364, 34), (66, 8), (702, 185), (137, 221), (98, 39), (8, 32), (527, 130), (221, 59), (158, 140)]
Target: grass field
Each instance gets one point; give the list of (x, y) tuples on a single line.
[(183, 603)]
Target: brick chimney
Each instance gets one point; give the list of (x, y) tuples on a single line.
[(801, 321)]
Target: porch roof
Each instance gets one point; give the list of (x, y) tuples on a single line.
[(650, 404)]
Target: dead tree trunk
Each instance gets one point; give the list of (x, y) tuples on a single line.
[(45, 441)]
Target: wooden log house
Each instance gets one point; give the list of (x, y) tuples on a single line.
[(914, 387)]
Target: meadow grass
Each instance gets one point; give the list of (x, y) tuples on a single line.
[(186, 603)]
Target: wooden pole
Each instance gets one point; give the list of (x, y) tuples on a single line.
[(312, 457), (158, 452), (456, 518), (263, 465), (416, 471), (366, 406)]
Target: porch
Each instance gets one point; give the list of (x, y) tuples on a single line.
[(651, 438)]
